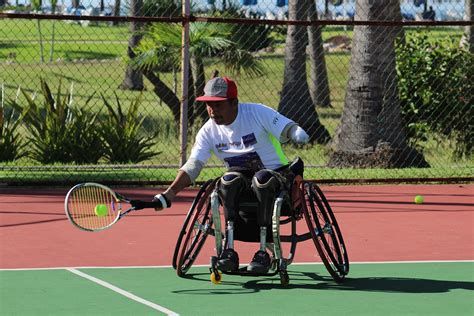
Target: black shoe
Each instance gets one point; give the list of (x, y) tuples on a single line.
[(260, 263), (228, 261)]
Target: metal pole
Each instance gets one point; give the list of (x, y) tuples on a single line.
[(183, 130)]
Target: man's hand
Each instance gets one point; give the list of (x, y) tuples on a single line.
[(298, 135)]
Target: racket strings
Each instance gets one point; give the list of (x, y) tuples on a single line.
[(82, 207)]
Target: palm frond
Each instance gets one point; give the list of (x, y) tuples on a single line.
[(238, 60), (169, 34)]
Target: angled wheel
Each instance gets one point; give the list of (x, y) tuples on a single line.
[(325, 231), (195, 230)]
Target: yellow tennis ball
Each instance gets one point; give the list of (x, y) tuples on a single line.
[(100, 210), (419, 199)]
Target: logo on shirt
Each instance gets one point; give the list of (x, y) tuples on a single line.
[(275, 120), (247, 141), (222, 146)]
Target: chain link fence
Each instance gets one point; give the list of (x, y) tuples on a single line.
[(92, 90)]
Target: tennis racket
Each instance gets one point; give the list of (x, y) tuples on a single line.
[(94, 207)]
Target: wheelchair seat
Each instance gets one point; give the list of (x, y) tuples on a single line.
[(245, 225)]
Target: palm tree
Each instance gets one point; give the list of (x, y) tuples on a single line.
[(160, 48), (319, 84), (54, 4), (370, 133), (116, 10), (37, 4), (133, 77), (295, 101)]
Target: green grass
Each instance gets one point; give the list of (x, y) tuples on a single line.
[(72, 41), (92, 60), (21, 29), (157, 175), (102, 41)]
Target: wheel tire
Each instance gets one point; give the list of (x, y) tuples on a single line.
[(325, 231), (192, 238)]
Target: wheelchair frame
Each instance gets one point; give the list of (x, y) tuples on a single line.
[(204, 219)]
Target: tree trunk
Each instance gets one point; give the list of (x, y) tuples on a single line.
[(116, 11), (295, 101), (38, 23), (197, 67), (165, 94), (133, 78), (191, 97), (51, 49), (468, 30), (371, 132), (168, 96), (319, 84), (326, 9)]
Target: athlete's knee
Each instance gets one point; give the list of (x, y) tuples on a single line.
[(264, 179), (232, 179)]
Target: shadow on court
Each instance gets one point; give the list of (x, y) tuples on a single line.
[(313, 281), (400, 285)]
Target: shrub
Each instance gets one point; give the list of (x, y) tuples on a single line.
[(436, 87), (121, 133), (59, 132), (12, 147), (84, 131)]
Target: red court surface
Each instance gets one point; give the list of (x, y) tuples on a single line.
[(379, 223)]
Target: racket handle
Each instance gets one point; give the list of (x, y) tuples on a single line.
[(139, 204)]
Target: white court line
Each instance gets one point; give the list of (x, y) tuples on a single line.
[(123, 292), (207, 266)]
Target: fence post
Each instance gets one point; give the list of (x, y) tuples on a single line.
[(183, 129)]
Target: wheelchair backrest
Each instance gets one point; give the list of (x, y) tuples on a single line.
[(297, 166)]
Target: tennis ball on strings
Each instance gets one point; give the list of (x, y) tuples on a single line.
[(100, 210), (419, 199)]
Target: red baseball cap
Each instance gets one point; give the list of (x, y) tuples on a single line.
[(219, 89)]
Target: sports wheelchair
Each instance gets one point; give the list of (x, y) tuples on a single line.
[(303, 200)]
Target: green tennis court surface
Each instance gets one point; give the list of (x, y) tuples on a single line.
[(424, 288)]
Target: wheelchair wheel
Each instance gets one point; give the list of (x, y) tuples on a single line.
[(195, 230), (325, 231)]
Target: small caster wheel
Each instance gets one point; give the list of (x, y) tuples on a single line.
[(284, 278), (216, 277)]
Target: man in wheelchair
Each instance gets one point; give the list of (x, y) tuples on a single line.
[(247, 137)]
